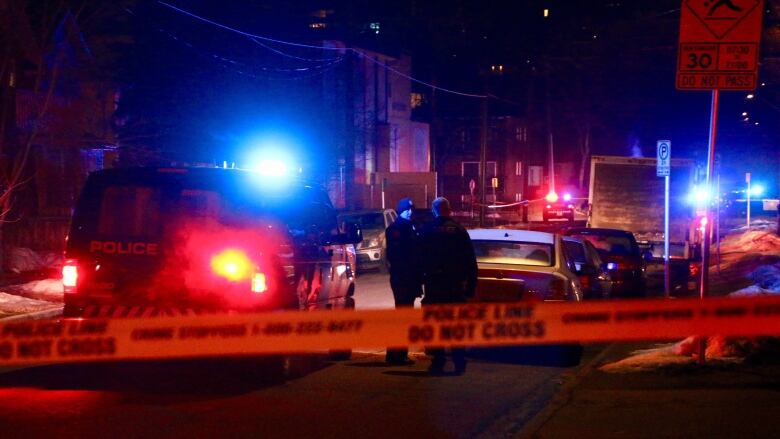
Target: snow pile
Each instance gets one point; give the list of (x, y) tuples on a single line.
[(12, 304), (766, 281), (20, 260), (758, 224), (46, 289), (754, 241), (648, 360)]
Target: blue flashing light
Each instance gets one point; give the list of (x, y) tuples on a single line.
[(756, 190), (699, 196), (612, 266), (271, 168)]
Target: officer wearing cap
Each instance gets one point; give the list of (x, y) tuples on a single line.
[(403, 253), (450, 272)]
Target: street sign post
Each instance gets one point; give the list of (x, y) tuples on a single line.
[(747, 180), (718, 48), (663, 169), (663, 153)]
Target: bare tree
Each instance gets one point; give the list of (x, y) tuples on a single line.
[(44, 83)]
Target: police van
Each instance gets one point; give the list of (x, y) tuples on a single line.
[(171, 241)]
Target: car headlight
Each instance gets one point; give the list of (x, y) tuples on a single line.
[(373, 242)]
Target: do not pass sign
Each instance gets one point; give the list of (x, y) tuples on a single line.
[(719, 42)]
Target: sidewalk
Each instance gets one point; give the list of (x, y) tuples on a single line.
[(671, 399)]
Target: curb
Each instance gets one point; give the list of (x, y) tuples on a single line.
[(564, 395), (37, 315)]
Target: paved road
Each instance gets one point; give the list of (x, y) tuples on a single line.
[(311, 396), (235, 398)]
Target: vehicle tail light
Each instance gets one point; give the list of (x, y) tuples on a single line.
[(549, 206), (694, 269), (585, 282), (557, 288), (259, 283), (232, 264), (70, 276)]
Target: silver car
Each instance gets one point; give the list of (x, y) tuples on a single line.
[(523, 265), (371, 252)]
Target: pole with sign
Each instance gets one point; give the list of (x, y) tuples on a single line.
[(718, 50), (747, 180), (663, 169)]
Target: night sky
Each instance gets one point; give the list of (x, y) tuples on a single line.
[(207, 89)]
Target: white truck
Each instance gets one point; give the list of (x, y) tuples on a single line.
[(626, 194)]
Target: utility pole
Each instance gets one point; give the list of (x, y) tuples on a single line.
[(483, 161), (549, 134)]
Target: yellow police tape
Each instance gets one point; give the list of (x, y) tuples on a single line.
[(488, 324)]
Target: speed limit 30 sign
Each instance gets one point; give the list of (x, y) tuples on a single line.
[(719, 42)]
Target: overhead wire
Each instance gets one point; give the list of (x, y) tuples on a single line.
[(236, 66), (359, 52)]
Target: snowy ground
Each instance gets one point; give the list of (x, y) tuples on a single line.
[(12, 305), (32, 297), (747, 257)]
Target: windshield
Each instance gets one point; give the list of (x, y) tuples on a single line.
[(515, 253), (366, 221), (614, 245)]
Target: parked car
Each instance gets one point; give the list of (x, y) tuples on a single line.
[(585, 262), (558, 210), (371, 252), (621, 257), (523, 265)]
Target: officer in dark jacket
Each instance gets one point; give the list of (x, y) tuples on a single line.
[(403, 254), (450, 272)]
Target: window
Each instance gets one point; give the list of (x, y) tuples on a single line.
[(416, 100), (130, 211), (518, 168), (367, 221), (471, 169), (534, 176), (516, 253)]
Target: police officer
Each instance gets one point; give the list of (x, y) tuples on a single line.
[(403, 253), (450, 272)]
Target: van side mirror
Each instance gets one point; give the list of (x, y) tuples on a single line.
[(352, 235)]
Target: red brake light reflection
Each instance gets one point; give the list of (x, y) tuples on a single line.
[(259, 284), (70, 275), (232, 264)]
